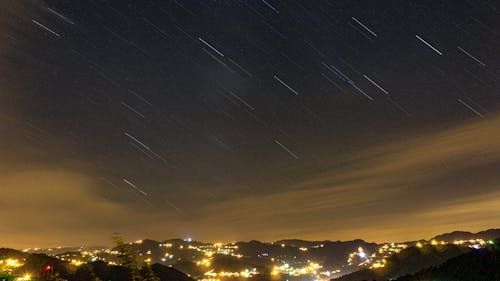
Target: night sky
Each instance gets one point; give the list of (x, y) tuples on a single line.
[(238, 120)]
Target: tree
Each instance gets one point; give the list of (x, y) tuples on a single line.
[(56, 277), (148, 273), (85, 273), (4, 276), (128, 257)]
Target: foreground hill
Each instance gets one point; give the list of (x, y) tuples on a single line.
[(476, 265), (42, 266), (118, 273), (408, 261)]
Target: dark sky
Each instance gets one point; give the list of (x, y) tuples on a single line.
[(238, 120)]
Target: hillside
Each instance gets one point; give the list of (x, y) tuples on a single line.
[(330, 254), (40, 266), (476, 265), (407, 261)]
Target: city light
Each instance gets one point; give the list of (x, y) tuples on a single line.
[(26, 277), (281, 265)]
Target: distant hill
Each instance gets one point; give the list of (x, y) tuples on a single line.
[(11, 253), (476, 265), (61, 250), (178, 248), (329, 254), (301, 243), (407, 261), (465, 235)]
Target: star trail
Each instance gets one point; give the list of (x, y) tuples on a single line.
[(240, 119)]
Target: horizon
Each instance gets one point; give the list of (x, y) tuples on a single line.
[(194, 239), (190, 260)]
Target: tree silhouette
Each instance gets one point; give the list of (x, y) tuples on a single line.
[(128, 257), (85, 273), (148, 273), (129, 261)]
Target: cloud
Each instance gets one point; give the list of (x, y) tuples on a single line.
[(478, 210), (408, 189), (57, 207), (382, 189)]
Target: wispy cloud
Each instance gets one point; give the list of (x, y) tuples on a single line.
[(384, 187)]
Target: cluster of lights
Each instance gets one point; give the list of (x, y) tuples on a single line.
[(244, 273), (392, 248), (474, 243), (208, 251), (77, 262), (27, 250), (435, 242), (84, 256), (359, 258), (310, 268), (379, 264), (378, 259), (26, 277), (167, 256), (10, 263), (218, 248), (432, 242), (203, 262)]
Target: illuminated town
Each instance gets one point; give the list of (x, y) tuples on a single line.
[(224, 262)]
